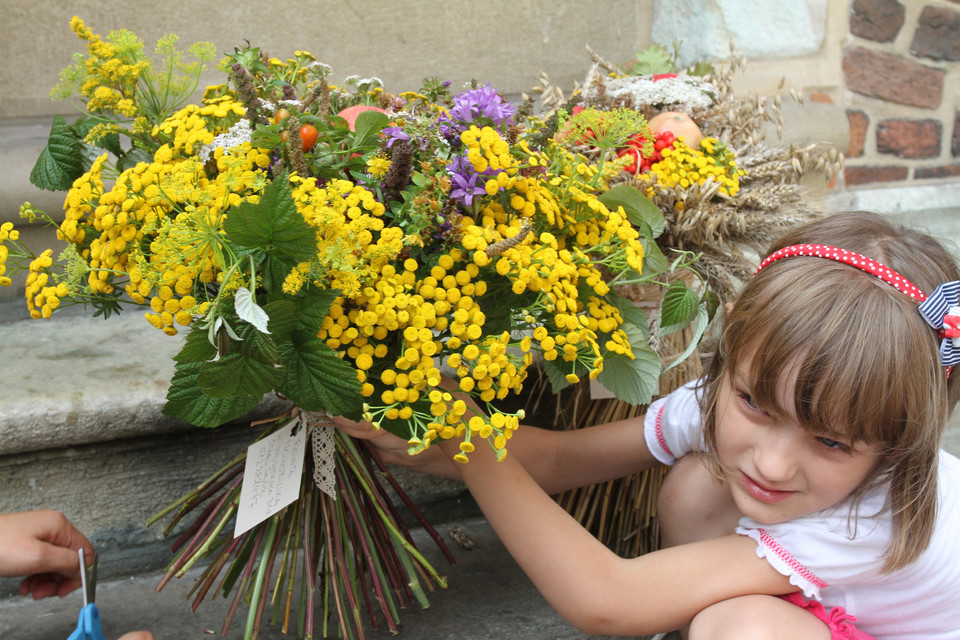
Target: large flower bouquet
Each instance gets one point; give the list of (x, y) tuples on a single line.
[(400, 258)]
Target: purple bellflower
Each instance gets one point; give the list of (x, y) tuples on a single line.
[(467, 183), (482, 102)]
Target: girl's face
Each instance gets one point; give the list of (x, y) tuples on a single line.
[(777, 471)]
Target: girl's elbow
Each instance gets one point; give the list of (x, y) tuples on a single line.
[(598, 625), (596, 619)]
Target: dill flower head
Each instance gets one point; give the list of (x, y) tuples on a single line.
[(604, 129), (378, 165)]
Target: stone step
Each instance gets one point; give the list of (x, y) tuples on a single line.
[(488, 596)]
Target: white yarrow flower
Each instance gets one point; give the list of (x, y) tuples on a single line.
[(231, 138)]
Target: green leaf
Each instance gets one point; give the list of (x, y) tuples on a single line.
[(712, 302), (314, 308), (82, 126), (654, 59), (368, 126), (238, 374), (187, 402), (61, 161), (196, 347), (632, 380), (632, 314), (274, 270), (703, 319), (273, 224), (259, 346), (284, 318), (677, 308), (89, 155), (318, 379), (133, 157), (654, 262), (111, 143), (638, 207), (557, 371), (701, 68)]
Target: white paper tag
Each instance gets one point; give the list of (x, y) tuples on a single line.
[(271, 476), (598, 391)]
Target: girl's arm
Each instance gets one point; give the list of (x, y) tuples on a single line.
[(596, 590), (557, 460)]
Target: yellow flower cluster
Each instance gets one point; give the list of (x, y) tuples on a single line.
[(554, 264), (7, 232), (42, 296), (487, 150), (684, 166), (352, 243), (112, 73), (191, 126), (159, 225), (429, 314)]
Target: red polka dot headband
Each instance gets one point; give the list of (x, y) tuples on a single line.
[(941, 309)]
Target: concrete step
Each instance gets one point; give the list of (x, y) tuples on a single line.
[(487, 597)]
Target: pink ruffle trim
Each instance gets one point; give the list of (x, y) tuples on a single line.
[(837, 619)]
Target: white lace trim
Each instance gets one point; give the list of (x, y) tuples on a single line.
[(321, 431), (784, 563)]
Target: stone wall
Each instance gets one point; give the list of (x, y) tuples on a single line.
[(901, 74), (892, 65)]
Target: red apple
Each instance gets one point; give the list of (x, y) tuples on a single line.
[(350, 113)]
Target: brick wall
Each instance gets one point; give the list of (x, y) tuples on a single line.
[(901, 74)]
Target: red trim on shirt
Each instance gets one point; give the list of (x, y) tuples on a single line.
[(658, 424), (768, 541)]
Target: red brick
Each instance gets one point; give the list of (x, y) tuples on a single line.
[(878, 20), (891, 78), (944, 171), (863, 175), (910, 138), (859, 121), (820, 96), (937, 35)]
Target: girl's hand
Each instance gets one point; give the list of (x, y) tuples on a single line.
[(392, 449)]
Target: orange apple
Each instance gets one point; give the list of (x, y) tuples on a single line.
[(350, 113), (680, 124)]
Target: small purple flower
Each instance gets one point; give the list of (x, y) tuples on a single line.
[(393, 134), (450, 129), (467, 183), (482, 102)]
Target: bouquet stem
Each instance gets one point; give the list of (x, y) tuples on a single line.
[(356, 544)]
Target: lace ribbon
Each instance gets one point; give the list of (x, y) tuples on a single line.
[(320, 433)]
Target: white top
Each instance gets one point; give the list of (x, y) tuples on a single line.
[(836, 562)]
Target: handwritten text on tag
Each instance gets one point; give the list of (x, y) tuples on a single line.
[(271, 476)]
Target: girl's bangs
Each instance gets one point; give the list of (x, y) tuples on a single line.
[(835, 352)]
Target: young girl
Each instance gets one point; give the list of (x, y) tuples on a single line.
[(808, 497)]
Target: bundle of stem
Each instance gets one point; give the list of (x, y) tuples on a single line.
[(357, 545)]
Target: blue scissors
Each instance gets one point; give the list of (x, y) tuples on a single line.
[(88, 624)]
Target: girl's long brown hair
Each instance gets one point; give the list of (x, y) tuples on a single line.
[(866, 363)]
